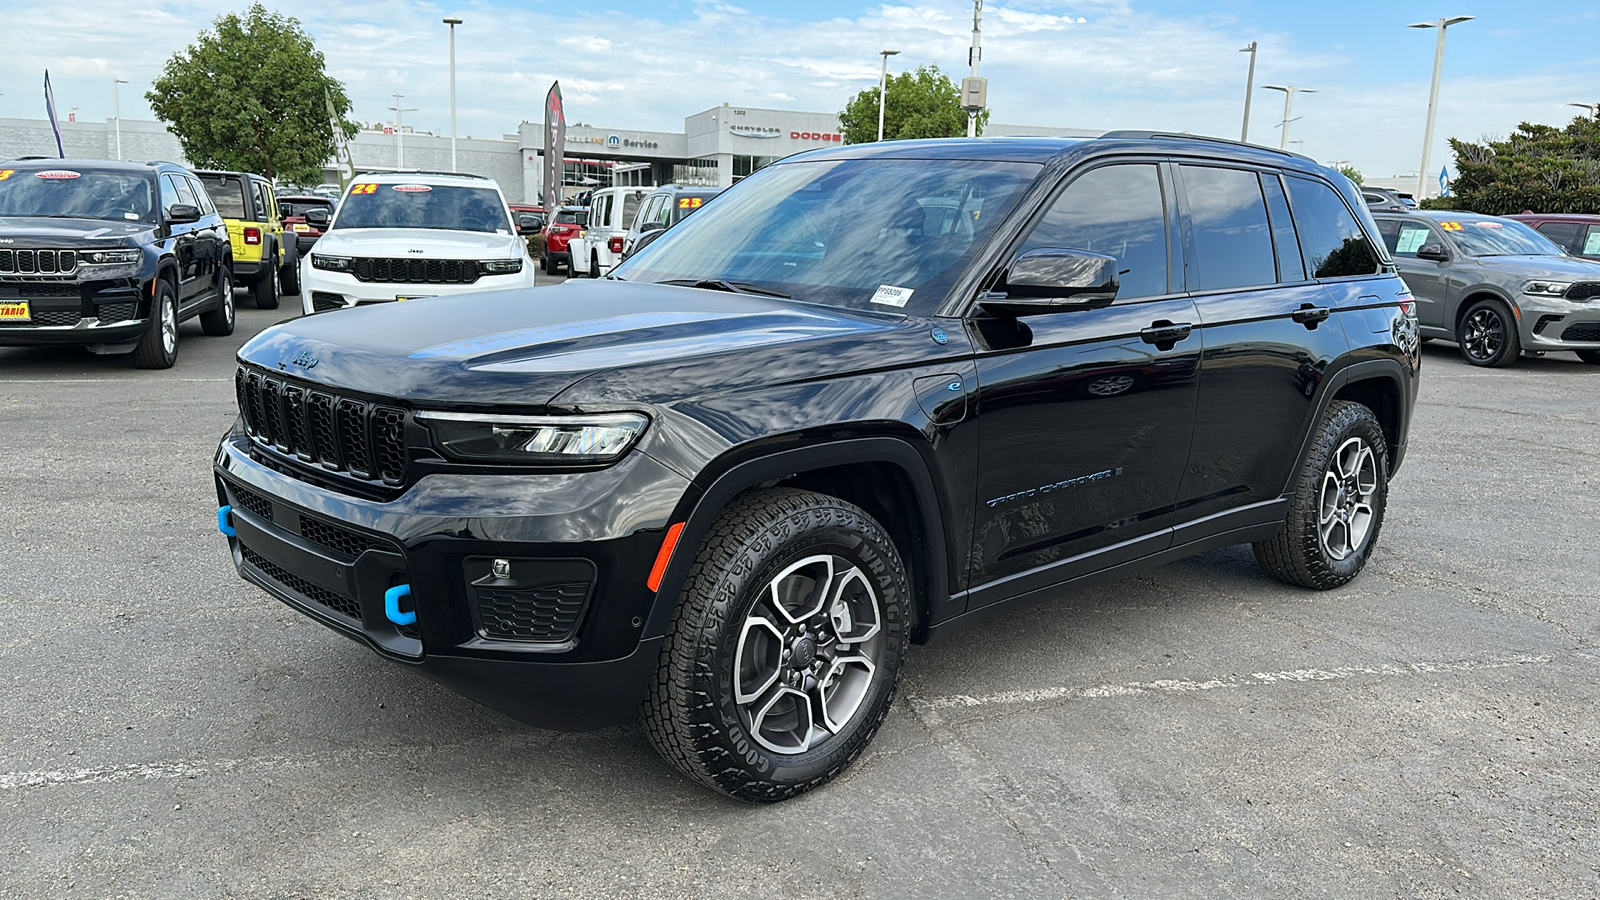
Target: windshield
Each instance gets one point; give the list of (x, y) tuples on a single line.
[(72, 193), (227, 192), (423, 206), (882, 234), (1499, 237)]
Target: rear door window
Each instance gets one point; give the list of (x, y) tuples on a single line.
[(1332, 242), (1563, 233), (630, 208), (228, 194), (1117, 210), (1232, 237), (1591, 242)]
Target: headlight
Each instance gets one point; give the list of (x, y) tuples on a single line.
[(111, 257), (534, 439), (1547, 288), (331, 263), (500, 266)]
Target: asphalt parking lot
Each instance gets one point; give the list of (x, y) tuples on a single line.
[(1199, 731)]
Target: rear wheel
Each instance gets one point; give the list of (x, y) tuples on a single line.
[(785, 647), (289, 272), (545, 264), (158, 346), (1488, 335), (265, 288), (1592, 357), (594, 265), (219, 322)]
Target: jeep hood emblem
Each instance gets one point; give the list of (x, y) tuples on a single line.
[(303, 359)]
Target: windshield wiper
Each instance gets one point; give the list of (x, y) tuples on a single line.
[(732, 287)]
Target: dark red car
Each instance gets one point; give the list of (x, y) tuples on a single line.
[(1575, 233), (564, 226), (294, 209)]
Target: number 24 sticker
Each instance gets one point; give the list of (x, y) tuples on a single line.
[(364, 189), (6, 173), (1450, 226)]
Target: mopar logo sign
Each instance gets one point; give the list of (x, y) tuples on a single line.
[(304, 360), (614, 140)]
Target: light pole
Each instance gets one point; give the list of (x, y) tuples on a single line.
[(452, 23), (1288, 99), (116, 112), (1593, 108), (1249, 88), (1433, 94), (974, 54), (883, 86), (399, 143)]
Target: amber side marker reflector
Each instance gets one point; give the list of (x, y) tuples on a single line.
[(659, 570)]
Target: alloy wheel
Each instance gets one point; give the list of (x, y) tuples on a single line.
[(169, 326), (1484, 333), (807, 654), (1345, 510)]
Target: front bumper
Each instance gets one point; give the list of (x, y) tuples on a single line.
[(321, 290), (108, 311), (1554, 323), (334, 557)]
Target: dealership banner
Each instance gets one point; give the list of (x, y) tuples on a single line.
[(555, 139), (50, 110)]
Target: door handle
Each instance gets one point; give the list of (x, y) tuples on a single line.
[(1311, 316), (1165, 334)]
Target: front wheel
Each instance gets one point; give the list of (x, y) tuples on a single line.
[(1489, 335), (1337, 507), (785, 648), (1592, 357), (158, 346)]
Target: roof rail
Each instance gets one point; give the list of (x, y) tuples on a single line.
[(418, 172), (1134, 134), (166, 162), (21, 158)]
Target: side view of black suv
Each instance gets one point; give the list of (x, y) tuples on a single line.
[(874, 394), (111, 256)]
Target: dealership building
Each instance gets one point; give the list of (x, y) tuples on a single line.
[(716, 148)]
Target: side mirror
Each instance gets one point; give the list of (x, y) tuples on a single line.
[(647, 227), (529, 224), (182, 214), (318, 217), (1434, 252), (646, 237), (1052, 280)]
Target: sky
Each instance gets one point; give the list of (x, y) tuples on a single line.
[(1170, 65)]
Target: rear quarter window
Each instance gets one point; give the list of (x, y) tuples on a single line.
[(1331, 240)]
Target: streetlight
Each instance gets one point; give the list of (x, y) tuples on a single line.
[(116, 112), (1593, 108), (452, 23), (1288, 98), (1249, 88), (883, 84), (399, 144), (1433, 93)]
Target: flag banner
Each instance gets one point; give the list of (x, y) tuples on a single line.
[(50, 110), (555, 140)]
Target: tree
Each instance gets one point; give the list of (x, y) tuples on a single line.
[(253, 96), (1352, 173), (920, 104), (1540, 167)]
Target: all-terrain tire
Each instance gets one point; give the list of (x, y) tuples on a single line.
[(265, 288), (1592, 357), (219, 322), (692, 716)]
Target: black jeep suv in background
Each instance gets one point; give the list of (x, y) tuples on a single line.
[(111, 256), (875, 394)]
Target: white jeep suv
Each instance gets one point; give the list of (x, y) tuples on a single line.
[(408, 235)]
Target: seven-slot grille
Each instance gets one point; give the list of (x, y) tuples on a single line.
[(1583, 290), (335, 432), (415, 271), (38, 262)]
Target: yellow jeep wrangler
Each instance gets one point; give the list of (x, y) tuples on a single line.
[(262, 257)]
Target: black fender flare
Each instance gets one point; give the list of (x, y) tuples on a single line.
[(1391, 370), (703, 511)]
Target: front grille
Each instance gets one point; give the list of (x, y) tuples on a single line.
[(115, 312), (331, 536), (1583, 290), (38, 262), (1582, 331), (339, 433), (323, 301), (44, 291), (415, 271), (344, 606), (547, 613), (1545, 322), (52, 317), (257, 505)]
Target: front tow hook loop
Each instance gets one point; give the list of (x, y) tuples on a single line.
[(222, 521), (391, 605)]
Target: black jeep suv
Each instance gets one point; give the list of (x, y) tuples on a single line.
[(874, 394), (111, 256)]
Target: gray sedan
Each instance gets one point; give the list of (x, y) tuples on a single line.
[(1495, 286)]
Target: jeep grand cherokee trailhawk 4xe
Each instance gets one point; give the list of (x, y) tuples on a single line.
[(873, 394), (110, 256)]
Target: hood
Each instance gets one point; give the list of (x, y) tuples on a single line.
[(1553, 268), (522, 347), (423, 243), (35, 231)]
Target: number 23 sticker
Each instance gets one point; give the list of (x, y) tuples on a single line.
[(1450, 226)]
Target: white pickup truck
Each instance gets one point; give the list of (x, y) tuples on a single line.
[(599, 247)]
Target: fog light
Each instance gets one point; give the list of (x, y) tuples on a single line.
[(501, 568)]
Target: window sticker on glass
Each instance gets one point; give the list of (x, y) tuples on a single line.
[(1411, 239), (1450, 226), (892, 296), (1487, 224), (412, 188), (363, 189), (1591, 243)]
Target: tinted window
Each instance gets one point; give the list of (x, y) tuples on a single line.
[(1333, 244), (630, 208), (1233, 241), (1290, 266), (660, 210), (1563, 233), (1118, 211), (118, 196), (200, 195), (227, 192)]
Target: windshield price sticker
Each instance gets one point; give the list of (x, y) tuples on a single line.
[(412, 188), (1450, 226), (56, 174), (690, 202), (363, 189), (1411, 239), (889, 295)]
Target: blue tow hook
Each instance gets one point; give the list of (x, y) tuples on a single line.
[(391, 605), (222, 521)]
